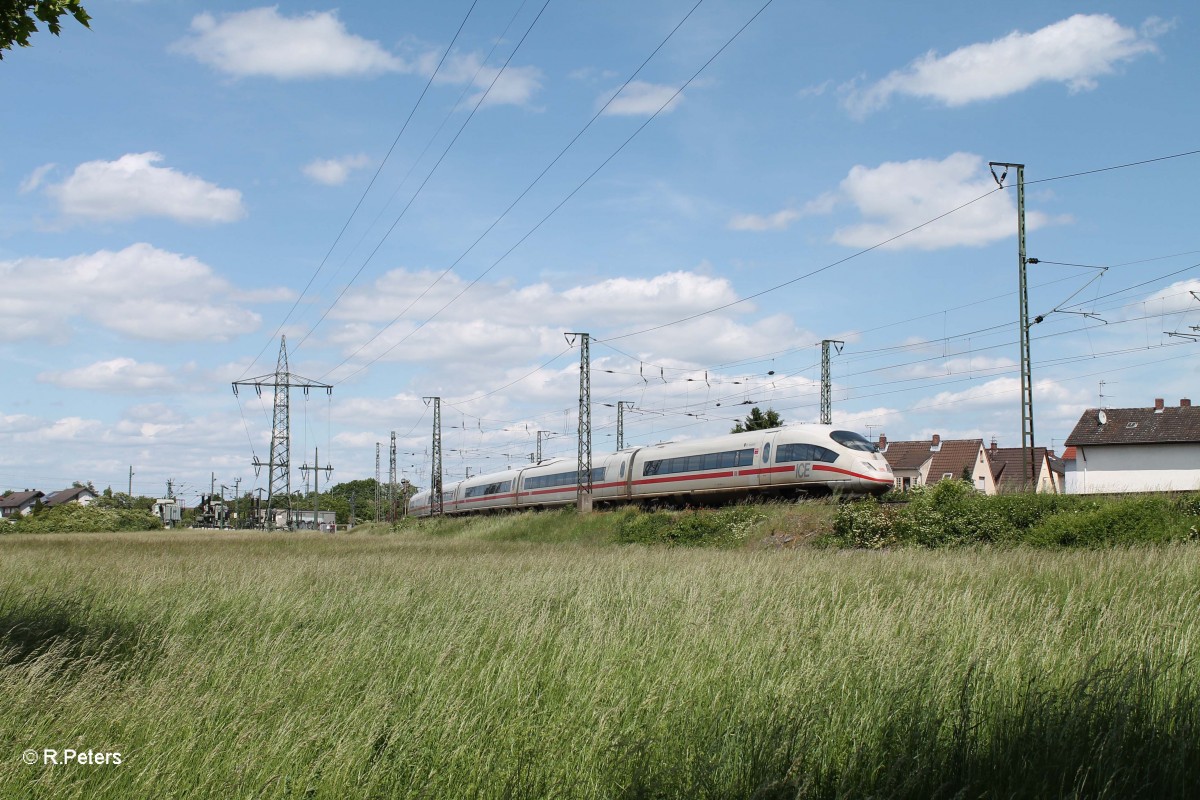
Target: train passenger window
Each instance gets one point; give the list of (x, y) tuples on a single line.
[(694, 464), (651, 467), (803, 452), (767, 453), (712, 460), (745, 458)]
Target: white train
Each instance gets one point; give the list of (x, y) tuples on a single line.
[(779, 462)]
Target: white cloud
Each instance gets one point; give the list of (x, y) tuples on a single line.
[(334, 171), (490, 336), (114, 375), (133, 187), (1075, 51), (262, 42), (640, 98), (783, 219), (898, 196), (1181, 297), (514, 86), (35, 178), (141, 291)]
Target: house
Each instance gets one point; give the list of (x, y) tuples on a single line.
[(19, 504), (909, 460), (1008, 469), (1136, 449), (77, 494), (926, 463)]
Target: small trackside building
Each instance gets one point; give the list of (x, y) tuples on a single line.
[(1136, 450)]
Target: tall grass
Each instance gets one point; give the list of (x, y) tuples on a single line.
[(439, 664)]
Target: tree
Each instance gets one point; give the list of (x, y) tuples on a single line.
[(756, 420), (17, 19)]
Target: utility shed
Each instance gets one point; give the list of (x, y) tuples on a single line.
[(1136, 450)]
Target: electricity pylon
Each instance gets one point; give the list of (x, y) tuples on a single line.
[(1029, 468), (827, 380), (279, 464)]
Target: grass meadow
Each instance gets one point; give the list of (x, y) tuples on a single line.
[(452, 660)]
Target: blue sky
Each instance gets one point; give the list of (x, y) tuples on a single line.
[(174, 184)]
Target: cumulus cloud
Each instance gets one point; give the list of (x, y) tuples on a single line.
[(1075, 51), (476, 341), (35, 178), (514, 86), (114, 375), (334, 171), (1181, 297), (898, 196), (133, 187), (783, 219), (263, 42), (141, 291), (642, 99)]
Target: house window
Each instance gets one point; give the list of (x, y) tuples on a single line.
[(947, 475)]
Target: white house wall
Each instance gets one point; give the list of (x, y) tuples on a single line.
[(1102, 469)]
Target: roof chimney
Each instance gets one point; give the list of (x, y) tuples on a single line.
[(883, 442), (1158, 405), (937, 443), (993, 445), (1185, 403)]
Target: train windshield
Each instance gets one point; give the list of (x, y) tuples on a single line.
[(853, 441)]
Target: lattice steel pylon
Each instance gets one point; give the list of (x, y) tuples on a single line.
[(279, 464), (827, 380), (392, 481), (1029, 466), (583, 475), (435, 467), (378, 488), (621, 406)]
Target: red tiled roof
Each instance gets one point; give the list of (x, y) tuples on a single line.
[(18, 499), (67, 495), (907, 455), (955, 456), (1137, 426), (1008, 466)]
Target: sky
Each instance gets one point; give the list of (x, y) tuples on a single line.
[(426, 198)]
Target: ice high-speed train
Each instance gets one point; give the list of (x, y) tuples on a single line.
[(779, 462)]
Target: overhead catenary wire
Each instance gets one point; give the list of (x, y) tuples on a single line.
[(561, 203), (365, 191), (482, 96)]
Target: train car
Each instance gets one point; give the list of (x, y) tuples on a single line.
[(791, 462), (554, 483), (487, 492), (421, 503)]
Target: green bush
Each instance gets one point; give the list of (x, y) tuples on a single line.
[(952, 513), (865, 524), (1129, 520), (725, 527), (74, 518)]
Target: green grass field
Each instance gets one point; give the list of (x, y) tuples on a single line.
[(458, 661)]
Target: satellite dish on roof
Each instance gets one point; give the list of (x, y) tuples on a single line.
[(1102, 417)]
